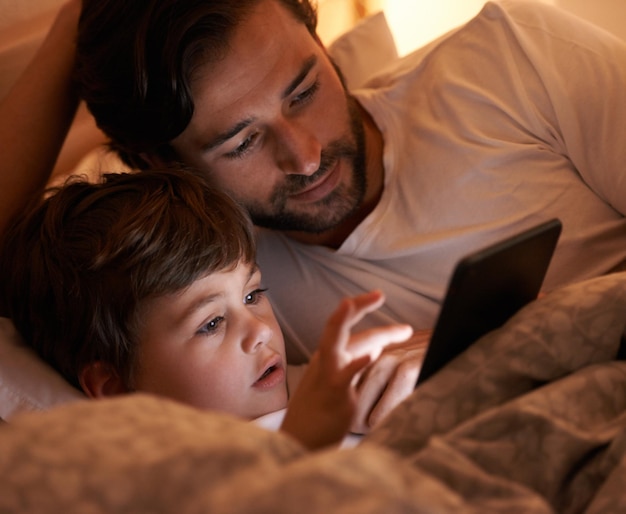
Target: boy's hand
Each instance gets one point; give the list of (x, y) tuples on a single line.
[(389, 380), (322, 409)]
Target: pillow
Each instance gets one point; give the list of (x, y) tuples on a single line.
[(364, 50), (26, 382)]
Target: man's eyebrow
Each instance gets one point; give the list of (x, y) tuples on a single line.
[(233, 131), (304, 70), (226, 135)]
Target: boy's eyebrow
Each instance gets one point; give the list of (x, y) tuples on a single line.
[(196, 306), (233, 131), (204, 300), (253, 269)]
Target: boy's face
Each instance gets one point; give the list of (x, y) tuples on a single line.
[(274, 127), (215, 345)]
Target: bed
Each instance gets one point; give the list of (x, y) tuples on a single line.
[(532, 418)]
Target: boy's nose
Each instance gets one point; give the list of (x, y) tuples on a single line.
[(258, 334)]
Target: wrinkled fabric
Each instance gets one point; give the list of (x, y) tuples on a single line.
[(530, 419)]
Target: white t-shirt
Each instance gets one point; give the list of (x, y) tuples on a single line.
[(510, 120)]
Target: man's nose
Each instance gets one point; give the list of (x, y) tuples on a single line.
[(298, 149)]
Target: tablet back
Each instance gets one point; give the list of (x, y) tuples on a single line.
[(487, 287)]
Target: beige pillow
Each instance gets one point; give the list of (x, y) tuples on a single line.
[(364, 50), (26, 382)]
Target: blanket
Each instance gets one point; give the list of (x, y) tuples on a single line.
[(531, 418)]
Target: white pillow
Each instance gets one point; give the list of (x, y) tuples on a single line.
[(365, 50), (26, 382)]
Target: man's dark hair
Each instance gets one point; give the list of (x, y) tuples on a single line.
[(135, 61), (77, 269)]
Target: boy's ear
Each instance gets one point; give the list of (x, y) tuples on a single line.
[(99, 379)]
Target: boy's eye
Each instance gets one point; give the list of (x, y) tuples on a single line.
[(212, 326), (254, 297), (306, 95)]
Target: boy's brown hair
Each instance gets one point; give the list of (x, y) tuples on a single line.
[(77, 268)]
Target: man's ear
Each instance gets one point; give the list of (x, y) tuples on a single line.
[(99, 379), (153, 160)]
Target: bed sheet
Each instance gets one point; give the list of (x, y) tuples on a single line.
[(531, 419)]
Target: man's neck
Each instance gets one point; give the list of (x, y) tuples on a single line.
[(334, 238)]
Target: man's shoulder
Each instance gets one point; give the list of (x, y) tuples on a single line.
[(534, 15)]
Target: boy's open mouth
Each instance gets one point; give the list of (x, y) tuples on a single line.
[(273, 375), (268, 371)]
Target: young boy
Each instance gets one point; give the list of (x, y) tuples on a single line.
[(148, 282)]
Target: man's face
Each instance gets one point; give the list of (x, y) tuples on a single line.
[(216, 345), (274, 127)]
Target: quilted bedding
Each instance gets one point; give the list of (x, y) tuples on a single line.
[(532, 418)]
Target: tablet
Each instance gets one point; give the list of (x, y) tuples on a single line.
[(487, 287)]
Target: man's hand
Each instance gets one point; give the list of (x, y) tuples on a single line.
[(323, 407), (389, 380)]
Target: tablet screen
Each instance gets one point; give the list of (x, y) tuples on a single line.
[(487, 287)]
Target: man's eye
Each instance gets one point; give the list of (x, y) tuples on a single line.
[(254, 297), (243, 148), (211, 327), (306, 95)]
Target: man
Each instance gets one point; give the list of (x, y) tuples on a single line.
[(514, 118), (478, 135)]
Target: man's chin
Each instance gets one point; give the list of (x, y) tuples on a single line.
[(311, 225), (322, 217)]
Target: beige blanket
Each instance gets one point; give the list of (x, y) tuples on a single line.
[(532, 418)]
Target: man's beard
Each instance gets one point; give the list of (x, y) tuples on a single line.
[(330, 211)]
